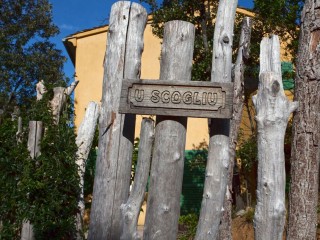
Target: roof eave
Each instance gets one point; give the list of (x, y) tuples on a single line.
[(70, 44)]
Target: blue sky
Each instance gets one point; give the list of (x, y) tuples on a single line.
[(75, 15)]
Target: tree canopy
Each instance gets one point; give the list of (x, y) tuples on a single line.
[(200, 14), (281, 17), (26, 54)]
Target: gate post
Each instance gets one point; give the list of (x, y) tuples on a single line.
[(34, 138), (116, 131), (163, 206), (218, 153), (273, 112)]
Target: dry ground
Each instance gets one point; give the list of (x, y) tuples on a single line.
[(242, 230)]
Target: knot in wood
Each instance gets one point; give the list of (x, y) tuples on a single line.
[(182, 37), (275, 87), (208, 195), (111, 30), (176, 156), (128, 217), (226, 39), (165, 209)]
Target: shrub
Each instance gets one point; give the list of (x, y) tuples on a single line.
[(188, 226), (43, 190)]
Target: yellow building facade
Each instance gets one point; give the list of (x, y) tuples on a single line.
[(87, 50)]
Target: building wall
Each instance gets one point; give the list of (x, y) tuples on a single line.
[(89, 71)]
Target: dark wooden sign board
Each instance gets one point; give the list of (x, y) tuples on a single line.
[(177, 98)]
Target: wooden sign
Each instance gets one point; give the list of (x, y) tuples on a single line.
[(177, 98)]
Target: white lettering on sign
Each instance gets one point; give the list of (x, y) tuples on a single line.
[(157, 96), (188, 97)]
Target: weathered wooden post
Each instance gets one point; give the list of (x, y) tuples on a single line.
[(163, 205), (116, 131), (84, 142), (131, 210), (273, 111), (34, 138), (218, 153), (59, 97), (19, 132), (225, 231)]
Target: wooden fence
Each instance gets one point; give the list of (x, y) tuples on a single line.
[(172, 99)]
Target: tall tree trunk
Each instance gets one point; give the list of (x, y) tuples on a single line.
[(84, 142), (225, 232), (131, 210), (303, 198), (116, 131), (273, 111), (163, 206), (218, 153)]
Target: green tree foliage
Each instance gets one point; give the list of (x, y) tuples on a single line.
[(188, 226), (12, 157), (26, 55), (199, 13), (279, 17)]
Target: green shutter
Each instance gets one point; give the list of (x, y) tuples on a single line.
[(287, 75), (193, 181)]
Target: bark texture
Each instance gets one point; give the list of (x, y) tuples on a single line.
[(225, 231), (218, 154), (84, 142), (116, 131), (163, 206), (273, 111), (305, 153), (131, 210)]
